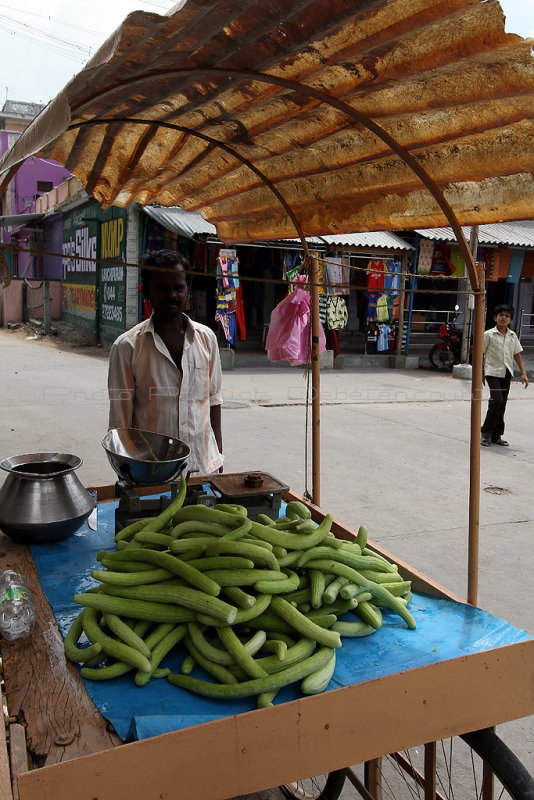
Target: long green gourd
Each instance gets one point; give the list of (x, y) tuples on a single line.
[(175, 565), (304, 625), (138, 609), (381, 594), (255, 686), (184, 596), (112, 647)]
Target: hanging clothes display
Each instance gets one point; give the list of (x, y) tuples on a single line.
[(382, 312), (229, 312), (503, 257), (289, 335), (337, 275), (425, 256), (371, 338), (337, 315), (527, 271), (441, 263), (383, 333), (457, 260)]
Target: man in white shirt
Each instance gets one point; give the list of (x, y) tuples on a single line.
[(165, 373), (501, 349)]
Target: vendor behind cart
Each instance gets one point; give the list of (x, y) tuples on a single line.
[(165, 373)]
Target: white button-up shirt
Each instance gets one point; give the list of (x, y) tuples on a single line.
[(499, 352), (147, 391)]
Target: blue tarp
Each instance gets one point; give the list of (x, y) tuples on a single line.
[(445, 629)]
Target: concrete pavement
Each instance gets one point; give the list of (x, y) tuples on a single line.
[(394, 453)]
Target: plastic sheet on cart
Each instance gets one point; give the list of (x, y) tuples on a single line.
[(445, 629)]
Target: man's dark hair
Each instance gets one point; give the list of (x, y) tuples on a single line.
[(166, 259), (504, 307)]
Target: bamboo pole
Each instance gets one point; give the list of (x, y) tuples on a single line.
[(316, 384), (474, 467)]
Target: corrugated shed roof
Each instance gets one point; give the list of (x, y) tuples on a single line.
[(513, 234), (381, 240), (186, 223), (221, 108)]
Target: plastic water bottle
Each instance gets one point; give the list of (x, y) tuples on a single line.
[(17, 614)]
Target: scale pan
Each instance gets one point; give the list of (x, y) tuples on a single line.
[(143, 458)]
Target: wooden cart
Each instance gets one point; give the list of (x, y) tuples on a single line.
[(59, 746)]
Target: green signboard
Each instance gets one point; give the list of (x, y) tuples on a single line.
[(112, 275), (80, 248), (94, 275)]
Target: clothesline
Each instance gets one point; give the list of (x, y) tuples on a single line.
[(245, 278)]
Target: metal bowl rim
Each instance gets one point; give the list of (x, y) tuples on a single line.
[(10, 462), (144, 460)]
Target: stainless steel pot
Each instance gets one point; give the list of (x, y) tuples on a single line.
[(42, 499)]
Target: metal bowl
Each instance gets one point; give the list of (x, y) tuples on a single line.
[(143, 458)]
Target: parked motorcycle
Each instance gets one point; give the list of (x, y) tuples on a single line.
[(447, 352)]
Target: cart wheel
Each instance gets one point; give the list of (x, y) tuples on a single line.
[(441, 359), (320, 787), (461, 768)]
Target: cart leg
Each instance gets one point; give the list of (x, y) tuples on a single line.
[(430, 771), (372, 777)]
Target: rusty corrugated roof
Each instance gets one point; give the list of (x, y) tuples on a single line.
[(442, 79)]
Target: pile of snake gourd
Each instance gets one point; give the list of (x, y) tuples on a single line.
[(256, 604)]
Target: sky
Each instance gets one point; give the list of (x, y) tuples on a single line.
[(44, 43)]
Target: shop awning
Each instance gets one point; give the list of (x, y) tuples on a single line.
[(510, 234), (346, 115), (19, 220), (185, 223)]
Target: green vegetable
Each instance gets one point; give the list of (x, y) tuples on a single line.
[(159, 652), (139, 609), (254, 686), (75, 653), (304, 625), (112, 647), (181, 595), (317, 681)]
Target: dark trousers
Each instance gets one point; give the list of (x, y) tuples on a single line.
[(494, 423)]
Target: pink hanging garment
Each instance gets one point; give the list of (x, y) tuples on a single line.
[(289, 336)]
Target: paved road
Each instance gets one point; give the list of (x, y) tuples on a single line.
[(394, 451)]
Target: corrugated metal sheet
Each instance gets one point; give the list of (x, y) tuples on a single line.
[(382, 240), (185, 115), (518, 234), (186, 223)]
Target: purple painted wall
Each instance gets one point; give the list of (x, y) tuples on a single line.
[(20, 198), (53, 243)]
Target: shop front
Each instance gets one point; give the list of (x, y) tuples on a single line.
[(94, 272)]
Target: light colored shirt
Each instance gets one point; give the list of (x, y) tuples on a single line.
[(499, 352), (148, 391)]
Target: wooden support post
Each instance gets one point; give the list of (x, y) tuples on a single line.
[(18, 754), (316, 385), (5, 772), (430, 771), (46, 307), (474, 466)]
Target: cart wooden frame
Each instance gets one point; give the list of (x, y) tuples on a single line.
[(49, 712)]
